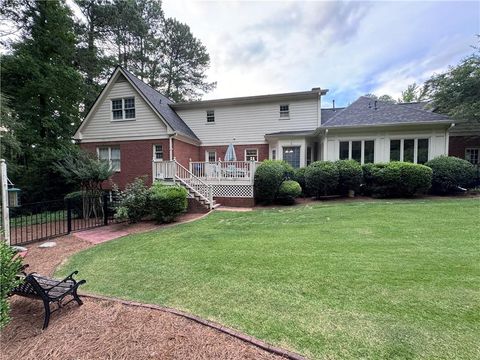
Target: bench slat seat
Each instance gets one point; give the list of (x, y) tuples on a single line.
[(49, 290)]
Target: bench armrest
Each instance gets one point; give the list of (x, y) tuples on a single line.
[(69, 277)]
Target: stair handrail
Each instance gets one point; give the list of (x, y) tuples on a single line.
[(199, 182)]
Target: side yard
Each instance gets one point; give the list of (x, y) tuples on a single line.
[(376, 279)]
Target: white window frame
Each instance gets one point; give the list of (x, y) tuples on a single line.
[(362, 148), (256, 154), (207, 157), (110, 155), (415, 147), (478, 156), (210, 114), (123, 108), (155, 152), (284, 114)]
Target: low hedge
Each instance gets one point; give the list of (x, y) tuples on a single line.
[(288, 191), (268, 177), (133, 201), (350, 176), (396, 179), (167, 201), (450, 173), (321, 178)]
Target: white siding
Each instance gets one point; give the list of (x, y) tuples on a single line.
[(438, 144), (146, 125), (248, 124)]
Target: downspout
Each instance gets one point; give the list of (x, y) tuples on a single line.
[(447, 138), (170, 145)]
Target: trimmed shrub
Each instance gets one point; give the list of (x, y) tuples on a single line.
[(10, 265), (449, 173), (288, 191), (133, 201), (397, 179), (268, 177), (167, 201), (321, 178), (350, 176), (300, 178)]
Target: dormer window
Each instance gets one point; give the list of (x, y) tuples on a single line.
[(123, 109), (210, 116), (284, 111)]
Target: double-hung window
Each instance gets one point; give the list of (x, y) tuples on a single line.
[(472, 155), (210, 116), (211, 156), (110, 154), (158, 152), (409, 150), (251, 155), (284, 111), (362, 151), (123, 109)]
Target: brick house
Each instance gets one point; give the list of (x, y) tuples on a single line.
[(141, 132)]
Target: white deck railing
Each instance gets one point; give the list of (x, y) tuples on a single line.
[(224, 171)]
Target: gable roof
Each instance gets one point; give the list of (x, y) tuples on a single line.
[(362, 112), (161, 104)]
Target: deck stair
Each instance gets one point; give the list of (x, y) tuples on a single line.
[(174, 172)]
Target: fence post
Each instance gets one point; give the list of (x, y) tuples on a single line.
[(105, 209), (5, 210), (69, 216)]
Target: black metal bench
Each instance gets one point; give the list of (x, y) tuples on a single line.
[(49, 291)]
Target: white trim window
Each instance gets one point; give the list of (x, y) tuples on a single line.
[(284, 111), (210, 116), (472, 155), (251, 154), (362, 151), (110, 154), (410, 150), (158, 152), (123, 109), (211, 155)]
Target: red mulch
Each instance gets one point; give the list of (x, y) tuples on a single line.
[(107, 329)]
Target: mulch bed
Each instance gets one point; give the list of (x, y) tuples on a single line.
[(105, 329)]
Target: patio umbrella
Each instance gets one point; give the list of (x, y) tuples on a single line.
[(230, 154)]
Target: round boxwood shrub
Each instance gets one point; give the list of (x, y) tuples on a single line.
[(350, 176), (288, 191), (167, 201), (449, 173), (397, 179), (268, 177), (321, 178), (133, 201)]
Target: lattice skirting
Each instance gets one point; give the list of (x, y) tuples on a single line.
[(236, 191)]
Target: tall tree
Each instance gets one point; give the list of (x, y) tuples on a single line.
[(384, 98), (91, 59), (413, 93), (44, 87), (184, 63), (457, 91)]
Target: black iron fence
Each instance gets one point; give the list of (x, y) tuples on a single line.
[(47, 219)]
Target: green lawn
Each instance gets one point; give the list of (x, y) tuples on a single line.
[(377, 280)]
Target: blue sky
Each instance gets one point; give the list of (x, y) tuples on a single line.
[(351, 48)]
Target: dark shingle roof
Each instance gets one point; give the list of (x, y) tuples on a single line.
[(327, 114), (362, 112), (162, 104)]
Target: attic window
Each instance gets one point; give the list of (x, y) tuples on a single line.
[(284, 111), (210, 116), (123, 109)]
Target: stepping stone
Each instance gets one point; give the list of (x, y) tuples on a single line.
[(19, 248), (48, 244)]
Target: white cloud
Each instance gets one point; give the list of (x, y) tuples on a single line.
[(352, 47)]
